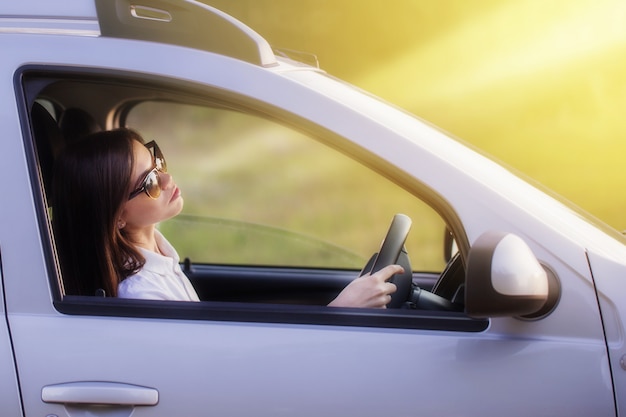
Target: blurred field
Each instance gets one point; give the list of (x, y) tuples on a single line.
[(260, 193), (540, 85)]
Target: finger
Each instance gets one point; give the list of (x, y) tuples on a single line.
[(389, 271), (391, 288), (387, 301)]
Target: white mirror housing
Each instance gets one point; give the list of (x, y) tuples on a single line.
[(515, 270), (504, 278)]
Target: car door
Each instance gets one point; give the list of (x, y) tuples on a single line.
[(9, 392), (106, 356)]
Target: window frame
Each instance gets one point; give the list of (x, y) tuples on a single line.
[(30, 80), (271, 314)]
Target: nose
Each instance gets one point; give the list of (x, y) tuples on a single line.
[(164, 179)]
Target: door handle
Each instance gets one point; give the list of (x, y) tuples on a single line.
[(101, 393)]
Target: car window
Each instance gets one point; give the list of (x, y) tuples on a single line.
[(260, 193), (276, 221)]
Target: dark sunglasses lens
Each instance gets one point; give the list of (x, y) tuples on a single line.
[(153, 188)]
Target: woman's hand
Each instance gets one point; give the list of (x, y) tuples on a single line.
[(372, 291)]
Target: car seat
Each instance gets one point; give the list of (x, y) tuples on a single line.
[(76, 123), (48, 142)]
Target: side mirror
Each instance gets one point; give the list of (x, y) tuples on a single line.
[(504, 278)]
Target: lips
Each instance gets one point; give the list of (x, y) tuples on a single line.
[(175, 193)]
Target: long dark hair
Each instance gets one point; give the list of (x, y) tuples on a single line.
[(90, 187)]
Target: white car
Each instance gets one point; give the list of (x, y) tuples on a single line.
[(516, 304)]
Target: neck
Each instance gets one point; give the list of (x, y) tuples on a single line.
[(144, 238)]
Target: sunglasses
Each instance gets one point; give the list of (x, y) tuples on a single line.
[(151, 184)]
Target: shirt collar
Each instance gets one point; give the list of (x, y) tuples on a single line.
[(159, 262)]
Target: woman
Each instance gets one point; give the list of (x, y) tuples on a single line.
[(109, 192)]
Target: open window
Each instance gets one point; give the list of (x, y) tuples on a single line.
[(261, 194), (274, 218)]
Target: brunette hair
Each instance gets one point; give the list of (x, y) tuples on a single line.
[(90, 187)]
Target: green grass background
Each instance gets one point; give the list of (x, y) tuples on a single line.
[(260, 193)]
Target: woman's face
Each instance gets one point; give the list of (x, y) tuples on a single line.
[(143, 211)]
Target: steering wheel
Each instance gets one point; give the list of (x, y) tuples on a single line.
[(391, 252)]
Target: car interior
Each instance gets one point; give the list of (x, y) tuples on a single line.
[(62, 110)]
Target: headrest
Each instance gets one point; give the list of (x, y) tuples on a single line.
[(76, 123)]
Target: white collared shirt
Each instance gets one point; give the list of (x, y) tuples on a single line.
[(160, 278)]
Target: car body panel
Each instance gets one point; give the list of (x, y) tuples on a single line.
[(609, 275), (283, 369), (9, 389)]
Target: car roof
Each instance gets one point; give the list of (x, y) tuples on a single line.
[(180, 22)]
